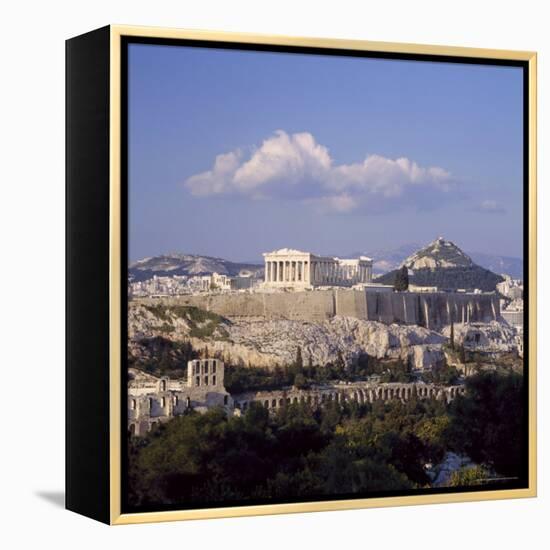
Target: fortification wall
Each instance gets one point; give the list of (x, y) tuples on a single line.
[(301, 306), (430, 310)]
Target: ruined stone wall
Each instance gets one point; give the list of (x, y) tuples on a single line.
[(146, 411), (360, 392), (430, 310)]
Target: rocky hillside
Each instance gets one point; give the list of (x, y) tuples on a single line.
[(171, 335), (188, 264), (444, 265), (439, 254), (157, 330)]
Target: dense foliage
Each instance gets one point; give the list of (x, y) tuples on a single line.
[(487, 425), (201, 323), (401, 281), (355, 448), (239, 378), (161, 356)]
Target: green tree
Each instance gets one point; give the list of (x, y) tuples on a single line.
[(487, 423), (469, 476), (300, 381), (401, 282), (299, 362), (462, 354)]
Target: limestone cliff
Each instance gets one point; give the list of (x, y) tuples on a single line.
[(274, 342)]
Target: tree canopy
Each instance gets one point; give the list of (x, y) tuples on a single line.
[(401, 282)]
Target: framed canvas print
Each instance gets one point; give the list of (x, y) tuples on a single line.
[(300, 274)]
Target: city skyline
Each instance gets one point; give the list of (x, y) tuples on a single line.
[(262, 151)]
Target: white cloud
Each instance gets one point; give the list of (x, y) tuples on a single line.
[(295, 166), (217, 180), (491, 207)]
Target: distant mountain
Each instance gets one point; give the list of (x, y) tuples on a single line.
[(387, 259), (499, 264), (444, 265), (391, 258), (188, 264)]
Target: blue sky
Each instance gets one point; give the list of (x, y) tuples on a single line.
[(234, 153)]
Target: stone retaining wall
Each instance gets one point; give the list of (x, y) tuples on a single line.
[(430, 310)]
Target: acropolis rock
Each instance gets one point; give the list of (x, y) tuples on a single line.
[(268, 343)]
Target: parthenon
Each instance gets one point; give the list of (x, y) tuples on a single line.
[(288, 268)]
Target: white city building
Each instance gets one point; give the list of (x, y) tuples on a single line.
[(288, 268), (513, 314), (511, 288)]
